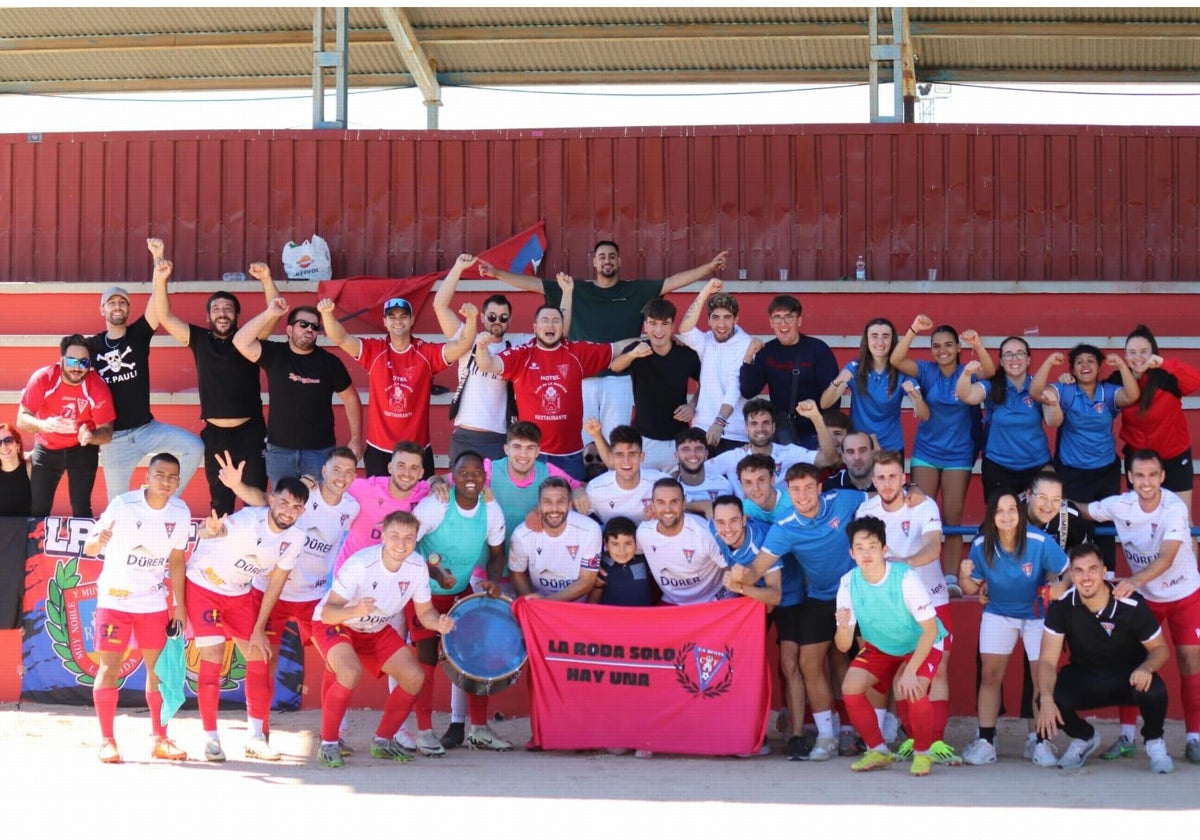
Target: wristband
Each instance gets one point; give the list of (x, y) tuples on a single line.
[(721, 421)]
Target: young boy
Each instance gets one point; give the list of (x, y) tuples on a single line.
[(625, 579)]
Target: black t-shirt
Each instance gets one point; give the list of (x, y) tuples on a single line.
[(301, 388), (660, 385), (15, 494), (1110, 641), (1076, 531), (841, 480), (627, 584), (125, 365), (228, 381)]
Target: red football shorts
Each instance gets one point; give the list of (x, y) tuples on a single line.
[(116, 629), (373, 649)]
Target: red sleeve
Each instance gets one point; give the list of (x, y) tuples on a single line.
[(435, 355), (1188, 376), (593, 357), (103, 410), (369, 350), (34, 395), (514, 359)]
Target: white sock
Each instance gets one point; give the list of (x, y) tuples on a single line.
[(329, 743), (256, 727), (458, 704), (392, 684), (881, 716), (1193, 736), (824, 722), (1129, 731), (212, 735), (344, 726)]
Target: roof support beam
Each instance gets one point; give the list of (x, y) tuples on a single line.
[(337, 60), (418, 64)]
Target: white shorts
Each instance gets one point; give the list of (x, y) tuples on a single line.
[(998, 635), (660, 454), (610, 400)]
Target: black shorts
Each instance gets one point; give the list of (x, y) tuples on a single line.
[(1178, 471), (810, 622)]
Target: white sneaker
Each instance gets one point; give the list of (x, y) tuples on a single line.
[(213, 751), (979, 752), (483, 738), (952, 587), (1160, 761), (429, 744), (1044, 754), (260, 749), (824, 749), (1077, 752), (406, 739), (1030, 745)]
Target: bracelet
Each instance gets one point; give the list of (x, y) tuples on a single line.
[(721, 421), (911, 330)]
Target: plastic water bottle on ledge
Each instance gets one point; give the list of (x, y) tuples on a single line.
[(860, 269), (233, 277)]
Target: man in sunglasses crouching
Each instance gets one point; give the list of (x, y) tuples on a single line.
[(70, 411), (301, 381)]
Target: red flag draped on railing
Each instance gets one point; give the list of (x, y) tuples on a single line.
[(355, 296), (688, 680)]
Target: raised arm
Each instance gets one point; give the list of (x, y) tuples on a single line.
[(833, 394), (592, 426), (986, 365), (968, 392), (176, 327), (350, 344), (446, 318), (521, 281), (684, 278), (919, 406), (466, 340), (261, 272), (622, 361), (827, 450), (156, 249), (1052, 411), (1129, 392), (692, 317), (246, 339), (900, 359), (484, 360), (1042, 376), (566, 284)]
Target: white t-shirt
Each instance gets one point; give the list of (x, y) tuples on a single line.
[(784, 455), (689, 566), (430, 512), (135, 559), (229, 564), (324, 528), (1142, 535), (363, 575), (720, 372), (609, 500), (554, 563), (906, 530), (713, 485), (916, 596), (484, 403)]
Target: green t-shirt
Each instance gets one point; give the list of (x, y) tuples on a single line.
[(605, 315)]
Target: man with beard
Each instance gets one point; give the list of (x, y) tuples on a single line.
[(483, 404), (608, 309), (400, 371), (660, 369), (547, 376), (327, 515), (721, 350), (858, 451), (700, 485), (121, 355), (625, 490), (233, 551), (560, 561), (681, 551), (70, 410), (760, 429), (230, 395), (301, 381), (467, 533), (377, 496)]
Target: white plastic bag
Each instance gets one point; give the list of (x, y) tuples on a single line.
[(307, 261)]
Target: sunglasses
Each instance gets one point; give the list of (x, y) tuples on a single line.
[(72, 362), (7, 441), (400, 302), (493, 318), (306, 325)]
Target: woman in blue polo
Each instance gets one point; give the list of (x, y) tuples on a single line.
[(1015, 561), (945, 447), (1016, 449), (876, 388)]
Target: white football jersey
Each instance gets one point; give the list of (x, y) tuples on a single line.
[(906, 530), (783, 455), (609, 500), (1142, 535), (554, 563), (133, 577), (324, 528), (229, 564), (363, 575), (689, 567)]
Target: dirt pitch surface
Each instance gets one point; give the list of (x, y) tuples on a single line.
[(54, 781)]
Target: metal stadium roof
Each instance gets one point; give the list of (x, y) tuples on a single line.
[(48, 50)]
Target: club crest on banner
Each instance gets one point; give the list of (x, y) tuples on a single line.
[(704, 671)]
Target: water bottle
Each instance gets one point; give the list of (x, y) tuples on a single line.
[(233, 277), (860, 269)]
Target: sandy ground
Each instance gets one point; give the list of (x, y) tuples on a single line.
[(53, 776)]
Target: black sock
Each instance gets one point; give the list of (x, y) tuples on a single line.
[(988, 733)]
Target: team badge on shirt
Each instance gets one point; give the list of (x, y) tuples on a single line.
[(170, 526), (283, 546), (572, 550), (1108, 626), (1027, 568), (403, 586), (904, 526), (687, 554)]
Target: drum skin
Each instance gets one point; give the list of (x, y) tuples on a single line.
[(485, 651)]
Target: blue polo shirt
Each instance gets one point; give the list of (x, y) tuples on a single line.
[(874, 410), (1016, 436), (819, 544), (947, 437), (791, 580), (1013, 581), (1085, 439)]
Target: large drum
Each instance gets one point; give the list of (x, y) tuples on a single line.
[(485, 651)]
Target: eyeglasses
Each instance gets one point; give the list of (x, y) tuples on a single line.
[(493, 318), (7, 441), (1048, 500), (72, 362), (780, 317), (306, 325), (1014, 354)]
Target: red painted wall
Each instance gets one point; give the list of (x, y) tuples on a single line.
[(975, 202)]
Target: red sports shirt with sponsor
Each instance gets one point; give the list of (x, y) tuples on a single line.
[(49, 395), (400, 383), (549, 387)]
